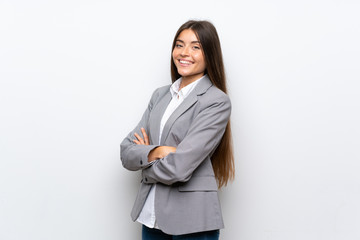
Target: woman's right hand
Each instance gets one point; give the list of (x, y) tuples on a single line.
[(160, 152), (140, 140)]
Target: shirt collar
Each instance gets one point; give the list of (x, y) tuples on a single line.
[(185, 91)]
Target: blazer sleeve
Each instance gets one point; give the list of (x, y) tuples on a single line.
[(135, 157), (203, 137)]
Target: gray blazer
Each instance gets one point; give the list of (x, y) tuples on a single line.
[(186, 198)]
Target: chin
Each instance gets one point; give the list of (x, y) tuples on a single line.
[(185, 74)]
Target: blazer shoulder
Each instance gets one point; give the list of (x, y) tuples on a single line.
[(159, 92), (163, 89), (214, 94)]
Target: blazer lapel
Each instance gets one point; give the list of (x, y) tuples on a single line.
[(189, 101), (155, 118)]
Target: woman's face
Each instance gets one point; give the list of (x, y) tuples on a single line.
[(188, 56)]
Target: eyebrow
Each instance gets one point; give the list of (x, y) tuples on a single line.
[(179, 40)]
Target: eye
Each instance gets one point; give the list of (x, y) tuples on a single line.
[(178, 45), (196, 47)]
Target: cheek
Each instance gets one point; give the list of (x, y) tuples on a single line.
[(201, 60), (174, 58), (175, 53)]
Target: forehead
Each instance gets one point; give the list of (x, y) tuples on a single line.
[(187, 35)]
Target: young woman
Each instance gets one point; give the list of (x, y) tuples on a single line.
[(182, 145)]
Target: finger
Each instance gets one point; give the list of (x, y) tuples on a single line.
[(146, 138), (170, 149), (137, 142), (139, 138)]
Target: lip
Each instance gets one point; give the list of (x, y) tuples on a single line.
[(185, 63)]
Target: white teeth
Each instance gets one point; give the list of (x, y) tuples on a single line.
[(185, 62)]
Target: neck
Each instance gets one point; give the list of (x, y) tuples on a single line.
[(187, 80)]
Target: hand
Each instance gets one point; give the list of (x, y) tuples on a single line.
[(156, 153), (140, 140), (160, 152)]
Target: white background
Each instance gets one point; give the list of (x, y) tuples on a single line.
[(76, 76)]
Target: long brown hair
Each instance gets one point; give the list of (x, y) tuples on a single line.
[(223, 157)]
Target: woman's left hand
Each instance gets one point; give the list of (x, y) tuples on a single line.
[(140, 140)]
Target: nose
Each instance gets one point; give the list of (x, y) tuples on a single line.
[(185, 51)]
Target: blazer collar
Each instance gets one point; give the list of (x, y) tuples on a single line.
[(155, 118), (202, 86), (189, 101)]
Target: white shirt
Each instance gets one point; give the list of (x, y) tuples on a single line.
[(147, 215)]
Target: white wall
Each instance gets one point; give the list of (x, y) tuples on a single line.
[(75, 77)]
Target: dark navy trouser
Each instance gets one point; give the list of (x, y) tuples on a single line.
[(156, 234)]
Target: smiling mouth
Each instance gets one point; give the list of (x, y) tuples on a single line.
[(185, 63)]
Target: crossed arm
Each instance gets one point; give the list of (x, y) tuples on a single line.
[(156, 153), (156, 162)]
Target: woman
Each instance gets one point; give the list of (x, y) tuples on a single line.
[(182, 145)]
